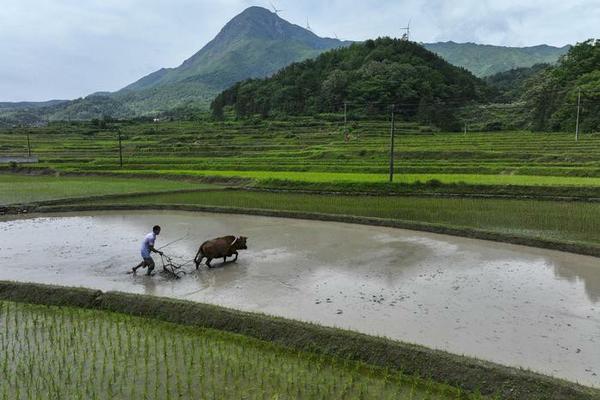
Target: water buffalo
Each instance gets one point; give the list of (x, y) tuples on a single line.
[(226, 246)]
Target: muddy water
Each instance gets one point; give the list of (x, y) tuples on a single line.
[(509, 304)]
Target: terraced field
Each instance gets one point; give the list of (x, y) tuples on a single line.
[(314, 145)]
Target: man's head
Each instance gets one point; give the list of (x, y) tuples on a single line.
[(156, 230)]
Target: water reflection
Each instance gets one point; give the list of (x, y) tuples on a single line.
[(587, 272)]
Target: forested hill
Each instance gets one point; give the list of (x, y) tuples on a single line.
[(377, 72), (551, 95), (485, 60)]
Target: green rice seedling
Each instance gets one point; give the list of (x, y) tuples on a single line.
[(72, 353), (566, 221)]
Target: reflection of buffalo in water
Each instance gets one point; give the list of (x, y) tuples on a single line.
[(226, 246)]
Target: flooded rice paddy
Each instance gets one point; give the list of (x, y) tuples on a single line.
[(513, 305)]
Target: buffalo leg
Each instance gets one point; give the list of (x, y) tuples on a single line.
[(208, 261), (236, 256), (198, 258)]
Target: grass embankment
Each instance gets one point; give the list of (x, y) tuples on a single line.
[(334, 354), (550, 220), (400, 178), (59, 353), (434, 188), (16, 188)]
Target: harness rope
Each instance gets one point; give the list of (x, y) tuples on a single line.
[(174, 241)]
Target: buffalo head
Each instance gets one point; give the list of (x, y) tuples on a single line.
[(240, 243)]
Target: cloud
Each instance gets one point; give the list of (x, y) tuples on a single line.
[(71, 48)]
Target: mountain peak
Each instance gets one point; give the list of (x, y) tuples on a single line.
[(254, 16), (254, 44), (256, 11), (258, 22)]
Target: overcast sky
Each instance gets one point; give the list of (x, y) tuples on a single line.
[(70, 48)]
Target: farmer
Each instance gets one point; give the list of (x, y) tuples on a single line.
[(147, 248)]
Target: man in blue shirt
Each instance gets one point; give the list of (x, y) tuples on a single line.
[(147, 248)]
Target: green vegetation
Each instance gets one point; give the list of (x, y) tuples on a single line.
[(26, 189), (551, 220), (334, 177), (377, 72), (59, 353), (486, 60), (551, 96)]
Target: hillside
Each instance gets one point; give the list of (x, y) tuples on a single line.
[(90, 107), (254, 44), (6, 106), (485, 60), (551, 96), (511, 84), (373, 74)]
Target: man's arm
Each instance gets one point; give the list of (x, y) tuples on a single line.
[(152, 249)]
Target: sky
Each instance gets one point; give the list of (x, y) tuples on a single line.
[(65, 49)]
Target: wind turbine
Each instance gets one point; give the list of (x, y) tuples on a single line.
[(275, 9), (406, 34), (308, 25)]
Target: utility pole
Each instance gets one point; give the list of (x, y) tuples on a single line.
[(345, 114), (392, 129), (120, 149), (578, 108), (28, 145)]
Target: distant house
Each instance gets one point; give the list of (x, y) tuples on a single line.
[(156, 120)]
